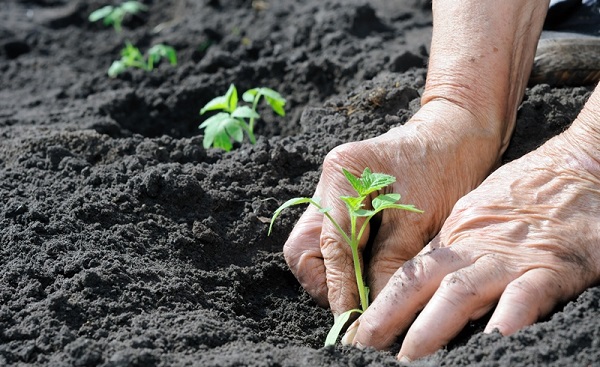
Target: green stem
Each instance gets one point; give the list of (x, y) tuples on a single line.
[(364, 301), (362, 292), (254, 104)]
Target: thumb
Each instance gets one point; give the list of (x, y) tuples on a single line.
[(337, 254)]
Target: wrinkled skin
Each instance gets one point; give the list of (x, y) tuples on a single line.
[(522, 241), (433, 185)]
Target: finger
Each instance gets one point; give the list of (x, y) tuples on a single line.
[(303, 255), (526, 299), (407, 292), (343, 292), (463, 295), (398, 240)]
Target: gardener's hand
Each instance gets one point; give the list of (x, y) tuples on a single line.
[(481, 54), (526, 239), (435, 164)]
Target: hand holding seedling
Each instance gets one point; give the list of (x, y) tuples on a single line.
[(114, 15), (234, 120), (433, 167), (365, 186)]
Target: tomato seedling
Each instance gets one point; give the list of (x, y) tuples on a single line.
[(364, 186), (132, 57), (222, 128), (114, 15)]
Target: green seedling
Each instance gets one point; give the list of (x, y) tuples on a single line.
[(234, 120), (365, 185), (132, 57), (114, 15)]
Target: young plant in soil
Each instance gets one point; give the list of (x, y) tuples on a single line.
[(234, 120), (364, 186), (114, 15), (132, 57)]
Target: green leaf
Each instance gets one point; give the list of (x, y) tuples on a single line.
[(235, 131), (232, 98), (249, 95), (276, 105), (160, 50), (268, 92), (375, 181), (100, 13), (337, 327), (222, 142), (116, 68), (364, 212), (385, 199), (353, 203), (354, 181), (220, 129), (217, 103), (133, 7), (292, 202), (244, 112), (389, 201)]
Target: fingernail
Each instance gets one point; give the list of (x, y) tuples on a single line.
[(404, 359), (350, 333)]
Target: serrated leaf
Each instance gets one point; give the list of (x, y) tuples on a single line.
[(244, 112), (385, 199), (337, 327), (100, 13), (354, 181), (375, 181), (364, 212), (353, 203), (407, 207), (287, 204)]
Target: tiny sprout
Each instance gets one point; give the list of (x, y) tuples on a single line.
[(230, 124), (114, 15), (364, 185), (131, 57)]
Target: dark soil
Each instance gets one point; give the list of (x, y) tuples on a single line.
[(123, 242)]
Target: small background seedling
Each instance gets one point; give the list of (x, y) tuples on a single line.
[(132, 57), (114, 15), (364, 186), (222, 128)]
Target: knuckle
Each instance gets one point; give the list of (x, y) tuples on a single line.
[(458, 286), (347, 156), (412, 274), (333, 248)]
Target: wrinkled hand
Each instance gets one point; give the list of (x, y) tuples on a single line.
[(435, 163), (526, 239)]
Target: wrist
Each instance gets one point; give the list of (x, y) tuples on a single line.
[(584, 135), (481, 56), (456, 134)]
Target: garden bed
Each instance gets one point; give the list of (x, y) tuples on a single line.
[(123, 242)]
